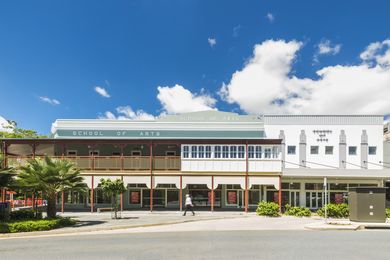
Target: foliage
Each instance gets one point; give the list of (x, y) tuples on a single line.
[(17, 132), (25, 214), (6, 175), (270, 209), (35, 225), (50, 176), (334, 210), (387, 213), (113, 189), (297, 211)]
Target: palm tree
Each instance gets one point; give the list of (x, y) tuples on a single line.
[(6, 175), (50, 176)]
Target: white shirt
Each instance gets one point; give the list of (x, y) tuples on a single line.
[(188, 201)]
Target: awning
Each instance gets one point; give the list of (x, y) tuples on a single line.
[(166, 180), (259, 180), (197, 180), (338, 173), (229, 180)]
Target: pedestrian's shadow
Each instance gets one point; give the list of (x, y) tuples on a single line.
[(85, 223)]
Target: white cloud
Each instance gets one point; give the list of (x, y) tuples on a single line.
[(236, 30), (325, 47), (127, 113), (377, 52), (51, 101), (102, 91), (5, 126), (267, 84), (270, 17), (178, 99), (212, 41)]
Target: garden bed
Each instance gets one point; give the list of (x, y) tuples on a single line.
[(17, 226)]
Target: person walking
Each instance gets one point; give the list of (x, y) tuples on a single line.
[(189, 205)]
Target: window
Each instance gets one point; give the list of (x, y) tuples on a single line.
[(233, 151), (251, 152), (291, 149), (186, 151), (170, 153), (314, 149), (194, 151), (328, 149), (258, 151), (267, 152), (225, 151), (217, 152), (352, 150), (135, 153), (94, 152), (241, 151), (372, 150), (201, 151), (71, 152), (275, 152), (208, 151)]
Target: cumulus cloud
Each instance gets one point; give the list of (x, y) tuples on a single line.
[(127, 113), (270, 17), (267, 84), (178, 99), (102, 91), (325, 47), (236, 30), (212, 41), (51, 101), (5, 126)]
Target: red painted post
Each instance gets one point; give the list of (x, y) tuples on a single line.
[(280, 193), (151, 176), (62, 202), (181, 193), (92, 194), (212, 193), (33, 201), (246, 196), (121, 196)]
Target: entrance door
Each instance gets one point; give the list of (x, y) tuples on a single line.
[(314, 199), (294, 198)]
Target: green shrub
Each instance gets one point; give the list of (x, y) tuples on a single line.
[(35, 225), (335, 211), (25, 214), (387, 213), (270, 209), (297, 211)]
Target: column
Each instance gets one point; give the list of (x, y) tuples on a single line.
[(151, 175), (92, 194), (342, 149), (283, 147), (181, 193), (302, 149), (280, 194), (246, 196), (212, 193), (302, 195), (121, 199), (364, 150)]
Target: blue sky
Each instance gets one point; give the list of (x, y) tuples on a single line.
[(156, 57)]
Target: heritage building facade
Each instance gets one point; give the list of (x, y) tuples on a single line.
[(224, 160)]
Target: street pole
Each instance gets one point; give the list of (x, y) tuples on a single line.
[(326, 199)]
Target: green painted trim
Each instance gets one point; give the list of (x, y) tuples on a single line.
[(153, 134)]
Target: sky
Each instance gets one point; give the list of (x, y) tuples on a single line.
[(140, 59)]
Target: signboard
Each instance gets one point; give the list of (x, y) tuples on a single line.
[(159, 134), (135, 197), (232, 197)]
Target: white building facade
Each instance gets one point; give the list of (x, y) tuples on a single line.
[(224, 160)]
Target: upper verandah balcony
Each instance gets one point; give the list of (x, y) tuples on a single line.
[(133, 155)]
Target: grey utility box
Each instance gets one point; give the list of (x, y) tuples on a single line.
[(367, 204)]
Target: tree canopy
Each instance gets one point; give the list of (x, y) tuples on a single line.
[(16, 132)]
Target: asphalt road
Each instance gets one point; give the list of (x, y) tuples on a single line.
[(204, 245)]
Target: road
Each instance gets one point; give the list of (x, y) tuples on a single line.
[(264, 244)]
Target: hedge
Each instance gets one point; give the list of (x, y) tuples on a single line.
[(25, 214), (387, 213), (334, 211), (297, 211), (270, 209), (35, 225)]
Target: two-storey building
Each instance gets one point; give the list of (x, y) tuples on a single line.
[(224, 160)]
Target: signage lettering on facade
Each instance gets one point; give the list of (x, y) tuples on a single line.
[(322, 135)]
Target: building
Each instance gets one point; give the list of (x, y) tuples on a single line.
[(224, 160)]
